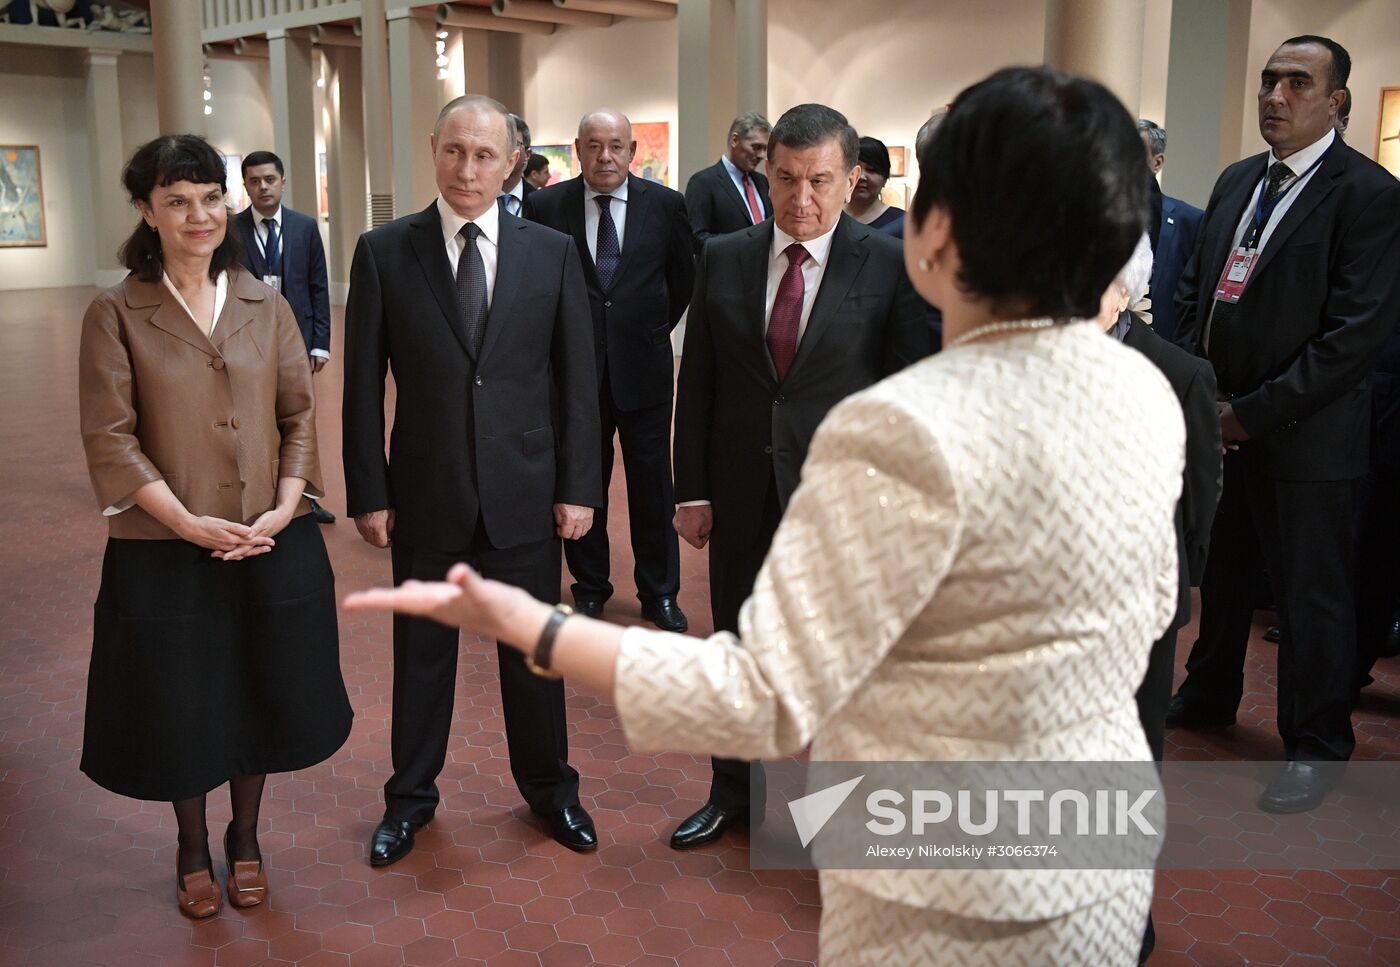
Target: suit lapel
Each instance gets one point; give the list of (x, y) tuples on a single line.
[(513, 249), (753, 284), (1317, 188), (638, 205), (573, 218), (249, 234), (844, 263), (426, 240), (1231, 211), (169, 316), (732, 190), (237, 309)]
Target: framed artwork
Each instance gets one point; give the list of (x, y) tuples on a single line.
[(21, 197), (652, 161), (561, 160), (899, 162), (1388, 131), (325, 193), (237, 198)]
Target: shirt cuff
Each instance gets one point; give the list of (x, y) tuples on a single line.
[(323, 353), (693, 503), (126, 503)]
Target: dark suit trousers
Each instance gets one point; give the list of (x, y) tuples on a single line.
[(425, 681), (735, 560), (645, 435), (1307, 536), (1378, 563), (1155, 692)]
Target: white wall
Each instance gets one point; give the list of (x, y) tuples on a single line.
[(630, 66), (43, 101), (1368, 29), (242, 118)]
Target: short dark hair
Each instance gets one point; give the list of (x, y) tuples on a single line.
[(1156, 135), (1041, 175), (808, 125), (522, 130), (1339, 70), (162, 162), (258, 158), (875, 157), (536, 162)]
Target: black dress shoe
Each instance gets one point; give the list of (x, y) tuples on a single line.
[(705, 826), (1299, 787), (1273, 634), (321, 515), (1182, 716), (392, 841), (573, 827), (588, 607), (1390, 644), (666, 615)]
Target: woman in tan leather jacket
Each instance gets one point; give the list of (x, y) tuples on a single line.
[(215, 652)]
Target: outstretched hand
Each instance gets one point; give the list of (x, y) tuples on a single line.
[(465, 600)]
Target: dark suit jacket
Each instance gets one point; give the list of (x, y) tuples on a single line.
[(1181, 223), (303, 271), (1193, 381), (504, 436), (632, 321), (736, 424), (715, 205), (1321, 300)]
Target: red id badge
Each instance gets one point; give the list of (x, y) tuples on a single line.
[(1235, 274)]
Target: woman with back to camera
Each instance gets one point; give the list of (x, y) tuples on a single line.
[(215, 655), (979, 556), (865, 205)]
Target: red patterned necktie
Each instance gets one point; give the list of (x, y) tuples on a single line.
[(755, 209), (787, 311)]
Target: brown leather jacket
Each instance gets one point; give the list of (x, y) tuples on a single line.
[(220, 421)]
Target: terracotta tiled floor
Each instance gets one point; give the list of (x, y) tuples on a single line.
[(86, 876)]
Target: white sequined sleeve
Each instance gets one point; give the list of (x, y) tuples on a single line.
[(866, 540)]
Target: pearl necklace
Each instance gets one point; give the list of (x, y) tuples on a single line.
[(1017, 325)]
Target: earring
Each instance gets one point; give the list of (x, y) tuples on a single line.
[(925, 265)]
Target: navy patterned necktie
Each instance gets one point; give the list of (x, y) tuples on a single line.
[(471, 288), (272, 248), (609, 256)]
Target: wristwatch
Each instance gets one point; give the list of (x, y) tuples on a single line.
[(538, 661)]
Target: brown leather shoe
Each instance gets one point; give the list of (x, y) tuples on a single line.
[(197, 895), (247, 883)]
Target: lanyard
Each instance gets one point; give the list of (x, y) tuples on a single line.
[(1262, 214)]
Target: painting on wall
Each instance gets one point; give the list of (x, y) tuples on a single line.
[(899, 162), (1388, 133), (561, 160), (652, 160), (21, 197), (237, 198), (325, 194)]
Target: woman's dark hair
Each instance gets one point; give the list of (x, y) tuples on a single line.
[(875, 157), (164, 161), (537, 162), (1043, 178)]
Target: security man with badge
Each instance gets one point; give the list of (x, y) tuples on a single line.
[(1291, 292)]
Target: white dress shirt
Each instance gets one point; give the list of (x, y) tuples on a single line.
[(737, 176), (518, 193), (487, 243), (819, 253), (590, 216), (1300, 162), (260, 233)]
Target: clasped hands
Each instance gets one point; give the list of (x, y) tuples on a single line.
[(570, 522), (1232, 432), (232, 541)]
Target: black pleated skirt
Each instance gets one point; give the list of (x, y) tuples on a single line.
[(204, 670)]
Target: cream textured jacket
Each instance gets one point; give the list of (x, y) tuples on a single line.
[(974, 567)]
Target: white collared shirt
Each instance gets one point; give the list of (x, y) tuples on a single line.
[(819, 253), (1300, 162), (737, 176), (591, 218), (487, 243), (518, 193), (220, 297), (260, 231)]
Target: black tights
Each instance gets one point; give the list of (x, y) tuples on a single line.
[(245, 793)]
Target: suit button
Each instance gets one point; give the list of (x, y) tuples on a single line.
[(221, 424), (767, 449), (242, 485), (779, 400), (216, 364), (234, 422), (477, 381), (608, 304)]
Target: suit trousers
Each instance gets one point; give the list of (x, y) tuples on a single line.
[(1378, 563), (1307, 535), (645, 436), (735, 560), (1155, 692), (425, 681)]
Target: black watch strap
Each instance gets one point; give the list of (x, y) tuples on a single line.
[(540, 659)]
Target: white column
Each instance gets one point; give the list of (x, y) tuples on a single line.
[(294, 116), (374, 63), (413, 98), (751, 55), (1101, 39), (179, 61), (705, 80), (345, 165), (112, 218)]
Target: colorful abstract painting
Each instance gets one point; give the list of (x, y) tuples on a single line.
[(561, 160), (653, 158), (21, 197)]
